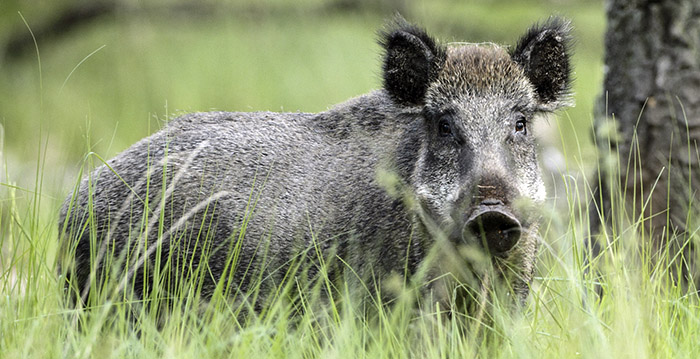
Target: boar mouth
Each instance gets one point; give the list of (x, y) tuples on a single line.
[(494, 226)]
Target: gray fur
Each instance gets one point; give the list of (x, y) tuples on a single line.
[(374, 181)]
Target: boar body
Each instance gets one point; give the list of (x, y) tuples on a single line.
[(385, 184)]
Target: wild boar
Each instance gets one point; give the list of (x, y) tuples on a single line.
[(392, 183)]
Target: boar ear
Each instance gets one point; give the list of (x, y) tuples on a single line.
[(544, 53), (412, 61)]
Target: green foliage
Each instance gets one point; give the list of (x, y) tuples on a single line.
[(105, 85)]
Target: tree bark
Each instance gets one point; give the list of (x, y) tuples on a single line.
[(651, 101)]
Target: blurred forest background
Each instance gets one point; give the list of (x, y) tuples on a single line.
[(104, 74)]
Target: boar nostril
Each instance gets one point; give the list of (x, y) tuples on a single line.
[(496, 228)]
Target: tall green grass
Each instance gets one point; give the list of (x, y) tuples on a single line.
[(640, 314)]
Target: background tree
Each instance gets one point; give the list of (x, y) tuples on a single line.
[(652, 92)]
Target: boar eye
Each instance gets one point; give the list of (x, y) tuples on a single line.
[(521, 126), (444, 127)]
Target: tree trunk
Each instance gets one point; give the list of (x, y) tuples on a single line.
[(649, 119)]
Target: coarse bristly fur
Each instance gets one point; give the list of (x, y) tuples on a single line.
[(383, 185)]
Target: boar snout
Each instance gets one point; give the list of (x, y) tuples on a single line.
[(493, 225)]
